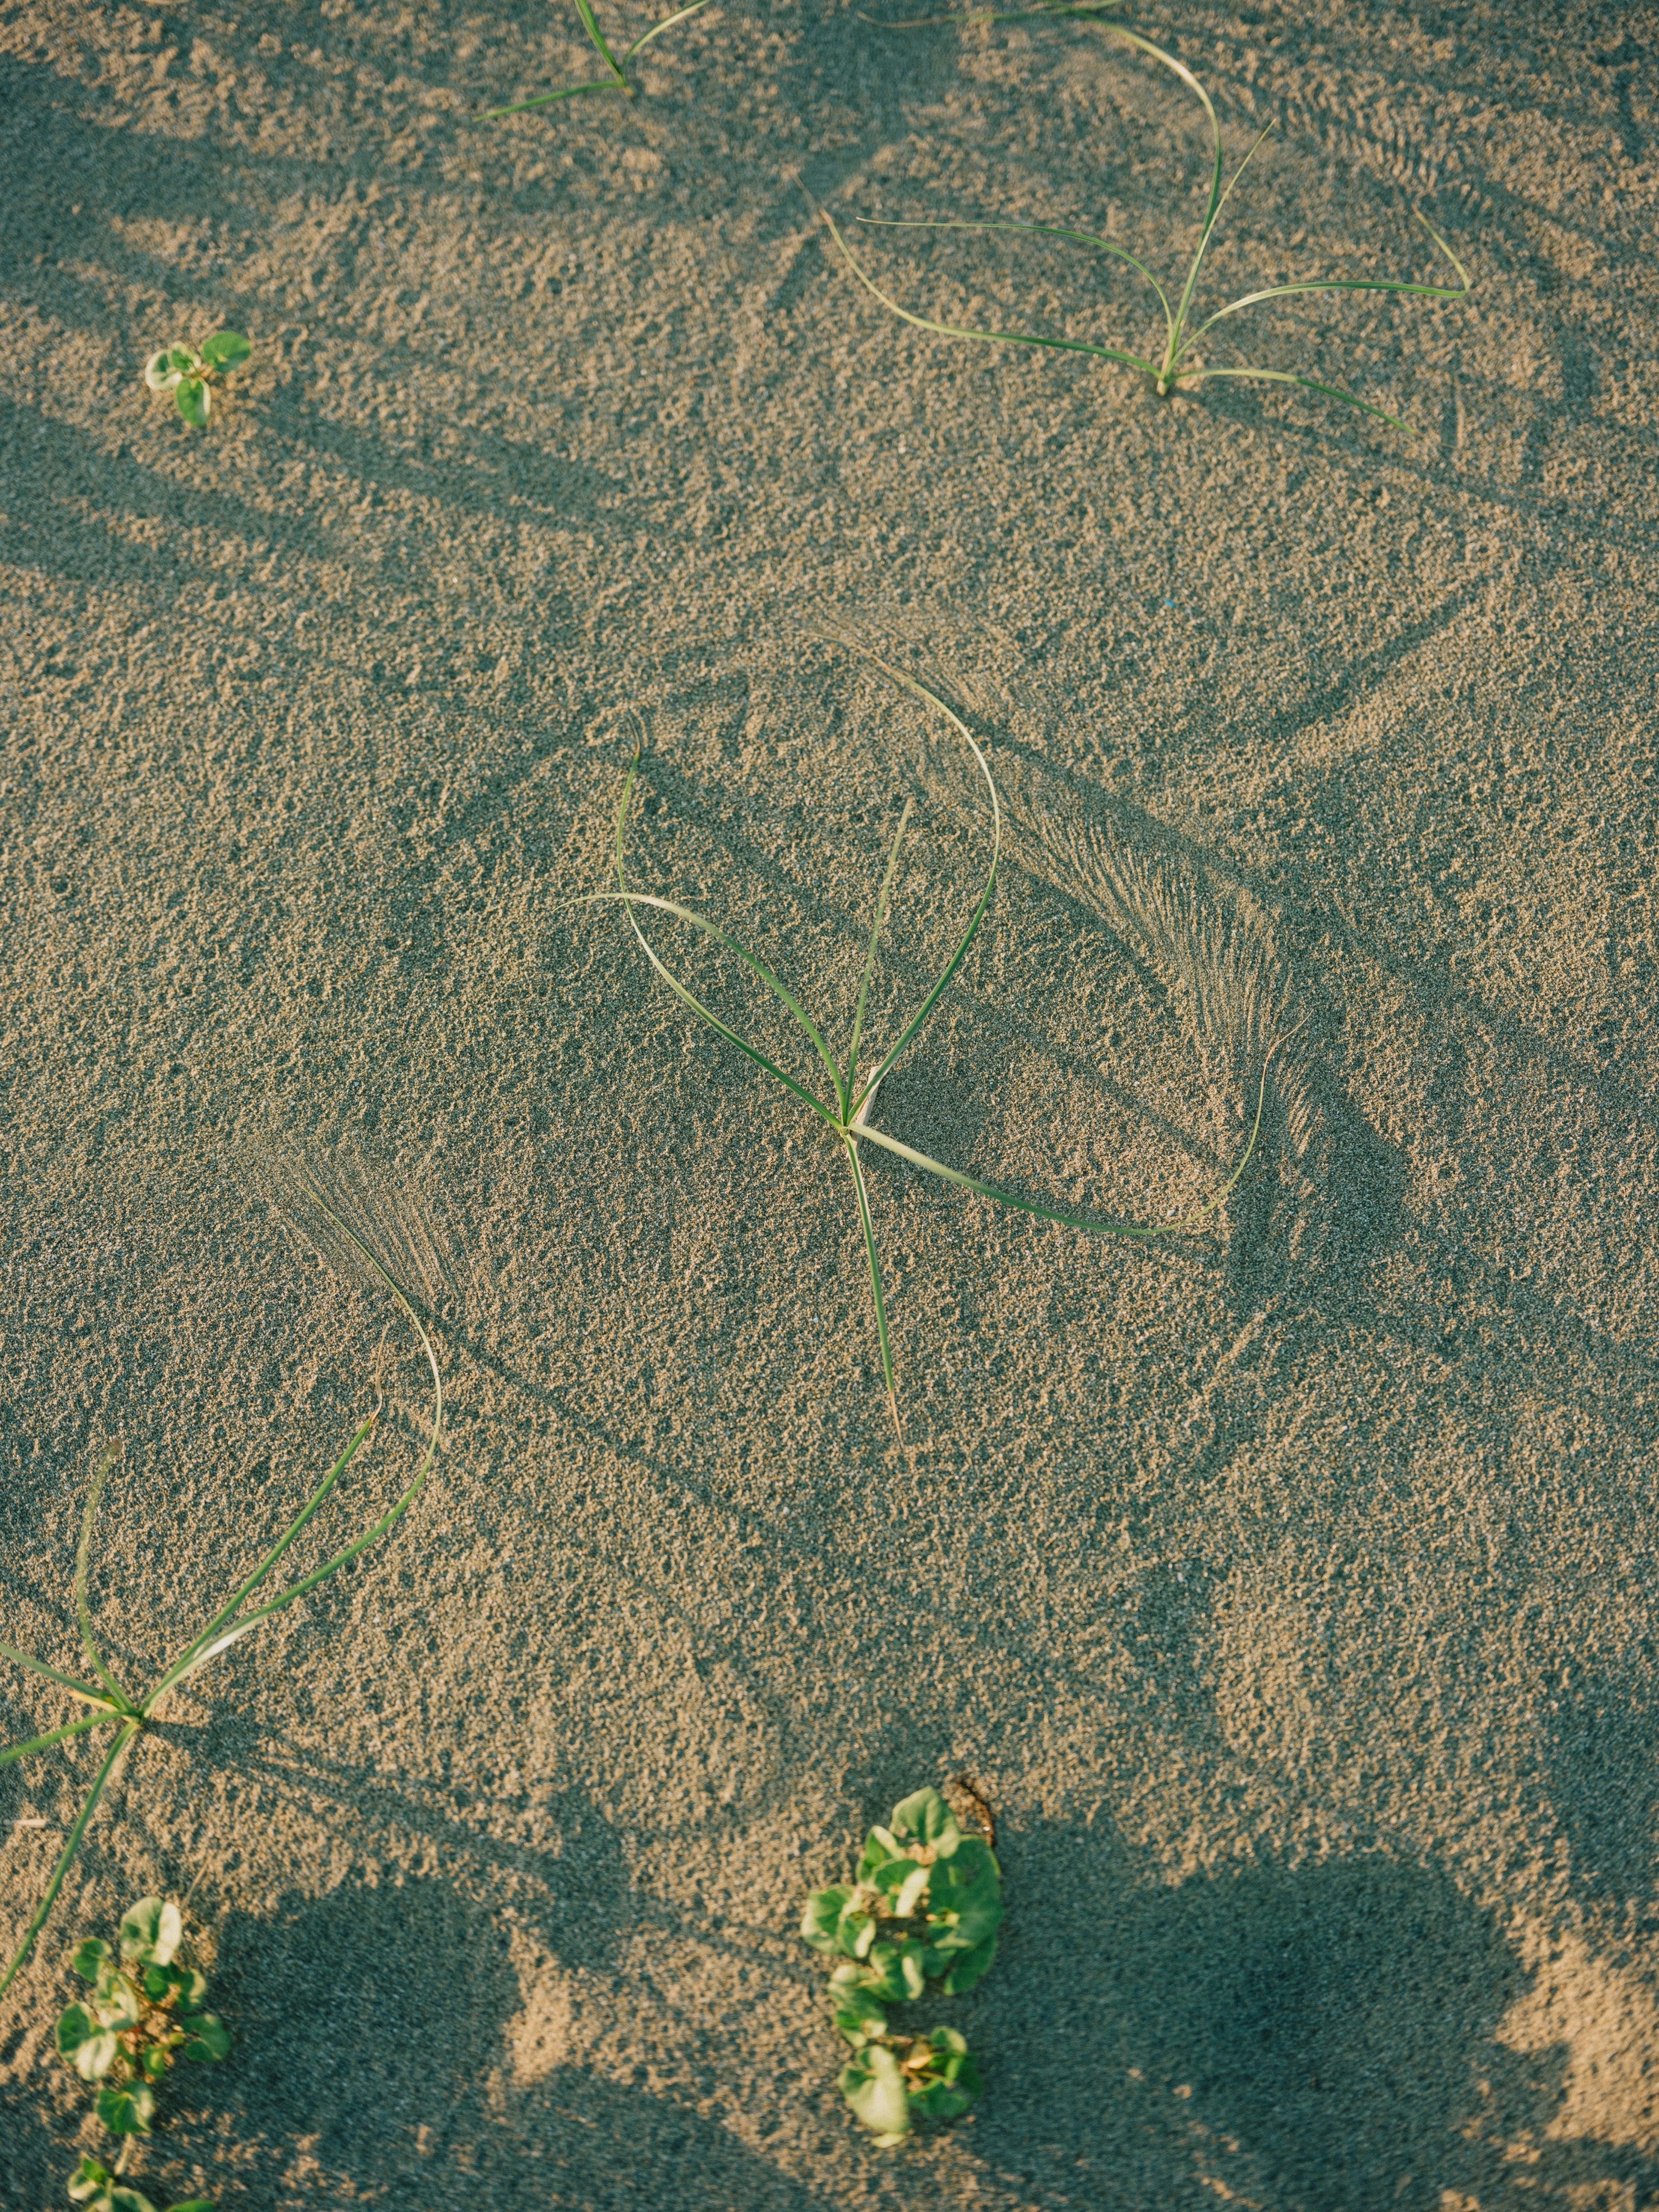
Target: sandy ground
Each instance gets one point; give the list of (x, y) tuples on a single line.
[(1290, 1587)]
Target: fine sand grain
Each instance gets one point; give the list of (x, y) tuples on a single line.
[(1290, 1589)]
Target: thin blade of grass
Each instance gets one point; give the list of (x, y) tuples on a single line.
[(1459, 291), (721, 1028), (17, 1750), (882, 905), (992, 14), (66, 1681), (667, 24), (759, 966), (911, 684), (177, 1670), (1212, 208), (82, 1559), (990, 337), (1040, 230), (1133, 1230), (194, 1655), (545, 99), (130, 1729), (591, 24), (875, 1281), (1307, 383)]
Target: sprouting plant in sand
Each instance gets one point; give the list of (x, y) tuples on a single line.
[(924, 1906), (617, 79), (130, 1713), (1176, 365), (188, 374), (146, 2010), (844, 1114)]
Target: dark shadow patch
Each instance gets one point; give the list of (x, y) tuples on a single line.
[(1317, 2038)]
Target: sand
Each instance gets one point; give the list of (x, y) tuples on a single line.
[(1288, 1588)]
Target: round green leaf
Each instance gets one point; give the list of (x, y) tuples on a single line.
[(823, 1910), (967, 1967), (155, 2061), (127, 2110), (225, 348), (874, 2089), (160, 373), (87, 2042), (130, 2200), (193, 402), (90, 2180), (194, 2204), (89, 1958), (924, 1818), (206, 2037), (152, 1930)]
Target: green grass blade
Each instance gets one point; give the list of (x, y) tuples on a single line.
[(591, 24), (759, 966), (1307, 383), (667, 24), (963, 331), (932, 698), (56, 1735), (875, 1281), (993, 14), (1458, 291), (1134, 1230), (129, 1730), (882, 905), (1212, 207), (182, 1664), (1227, 1188), (195, 1654), (66, 1681), (82, 1559), (632, 899), (545, 99), (1040, 230)]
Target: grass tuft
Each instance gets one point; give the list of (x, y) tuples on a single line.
[(1177, 366), (843, 1104), (113, 1707), (616, 79)]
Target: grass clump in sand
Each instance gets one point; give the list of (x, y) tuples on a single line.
[(617, 79), (1176, 365), (128, 1714), (187, 373), (844, 1114), (924, 1906), (146, 2010)]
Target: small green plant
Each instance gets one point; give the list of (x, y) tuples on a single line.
[(129, 1715), (845, 1115), (1177, 366), (616, 80), (924, 1906), (147, 2008), (187, 374)]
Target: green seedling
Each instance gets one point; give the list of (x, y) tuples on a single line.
[(845, 1114), (101, 2189), (187, 374), (112, 1705), (924, 1906), (146, 2010), (617, 79), (1177, 366)]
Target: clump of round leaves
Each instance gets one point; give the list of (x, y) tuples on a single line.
[(923, 1909), (146, 2008), (187, 373)]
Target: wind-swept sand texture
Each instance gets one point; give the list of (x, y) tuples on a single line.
[(1290, 1590)]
